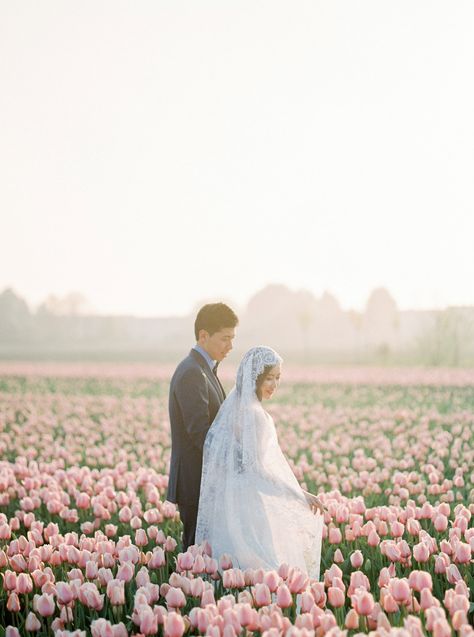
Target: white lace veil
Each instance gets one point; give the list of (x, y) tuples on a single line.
[(251, 504)]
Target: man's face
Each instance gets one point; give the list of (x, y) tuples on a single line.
[(219, 344)]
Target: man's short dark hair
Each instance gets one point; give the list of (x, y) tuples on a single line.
[(214, 317)]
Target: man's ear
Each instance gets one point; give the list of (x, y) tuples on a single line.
[(203, 335)]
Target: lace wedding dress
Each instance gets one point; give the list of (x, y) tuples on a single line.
[(251, 505)]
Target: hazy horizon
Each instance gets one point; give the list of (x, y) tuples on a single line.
[(159, 154), (87, 309)]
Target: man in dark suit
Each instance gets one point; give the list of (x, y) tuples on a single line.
[(195, 397)]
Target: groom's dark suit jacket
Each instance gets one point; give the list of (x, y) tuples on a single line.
[(195, 397)]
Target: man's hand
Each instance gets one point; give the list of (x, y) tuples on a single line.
[(314, 502)]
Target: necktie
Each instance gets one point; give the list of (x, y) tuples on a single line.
[(214, 371)]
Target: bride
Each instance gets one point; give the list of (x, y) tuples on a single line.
[(251, 505)]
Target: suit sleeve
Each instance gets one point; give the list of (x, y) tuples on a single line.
[(193, 399)]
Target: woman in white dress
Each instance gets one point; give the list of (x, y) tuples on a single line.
[(251, 505)]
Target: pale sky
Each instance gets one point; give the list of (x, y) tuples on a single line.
[(154, 154)]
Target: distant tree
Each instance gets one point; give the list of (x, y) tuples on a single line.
[(270, 300), (15, 317), (450, 340), (73, 304), (328, 305), (381, 318)]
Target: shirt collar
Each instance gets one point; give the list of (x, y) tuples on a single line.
[(205, 355)]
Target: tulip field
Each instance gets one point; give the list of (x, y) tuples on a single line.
[(89, 545)]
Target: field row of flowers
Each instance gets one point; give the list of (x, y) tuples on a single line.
[(89, 546)]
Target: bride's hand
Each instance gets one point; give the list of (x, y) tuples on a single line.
[(314, 502)]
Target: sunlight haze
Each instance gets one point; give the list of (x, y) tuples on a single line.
[(157, 154)]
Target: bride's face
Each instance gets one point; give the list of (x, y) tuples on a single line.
[(270, 383)]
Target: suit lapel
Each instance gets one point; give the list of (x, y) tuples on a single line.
[(209, 374)]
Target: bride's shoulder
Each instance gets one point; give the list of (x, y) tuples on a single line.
[(268, 417)]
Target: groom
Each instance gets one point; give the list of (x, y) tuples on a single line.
[(195, 397)]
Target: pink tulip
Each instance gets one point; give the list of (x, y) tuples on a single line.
[(228, 579), (225, 561), (148, 621), (170, 545), (338, 583), (397, 529), (327, 621), (101, 628), (283, 570), (392, 552), (338, 556), (459, 602), (389, 604), (158, 558), (161, 614), (364, 603), (332, 572), (141, 538), (13, 603), (400, 590), (426, 599), (441, 628), (307, 602), (452, 574), (357, 559), (64, 593), (336, 597), (352, 620), (174, 625), (83, 501), (259, 574), (418, 580), (3, 559), (383, 528), (373, 539), (421, 552), (11, 631), (459, 619), (245, 614), (125, 514), (207, 597), (116, 592), (413, 527), (284, 598), (32, 623), (262, 595), (211, 566), (185, 561), (45, 605), (125, 572), (462, 553), (271, 579), (440, 523), (18, 563), (358, 579), (335, 535), (318, 593), (90, 597), (197, 587), (5, 531), (175, 598), (297, 581), (24, 583), (461, 588), (92, 569), (384, 577), (199, 565)]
